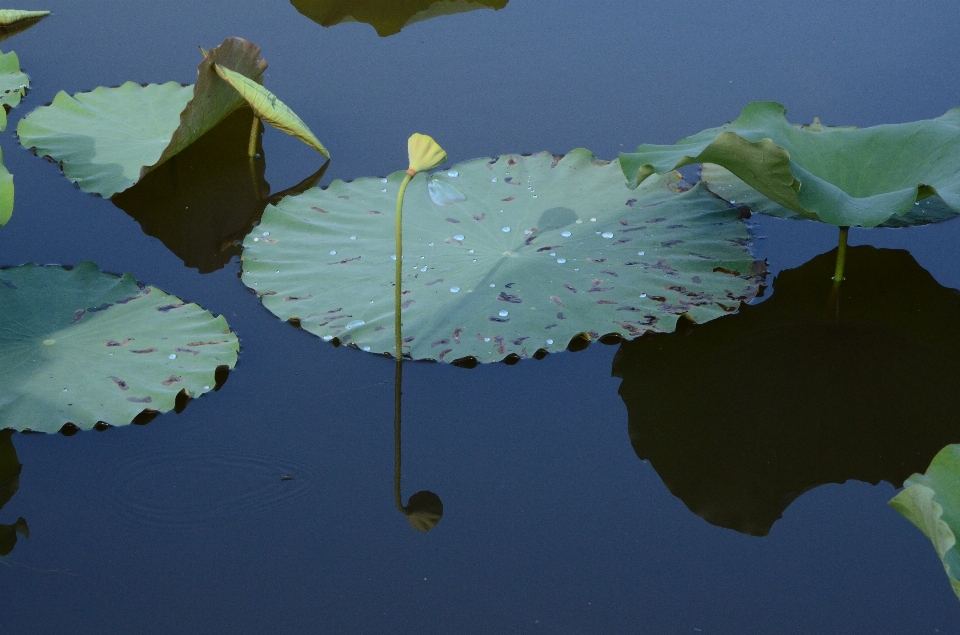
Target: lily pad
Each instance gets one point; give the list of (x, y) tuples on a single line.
[(108, 139), (6, 193), (931, 501), (865, 389), (203, 201), (13, 85), (842, 176), (534, 251), (387, 17), (80, 346)]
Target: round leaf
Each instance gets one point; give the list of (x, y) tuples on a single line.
[(13, 85), (501, 256), (80, 346)]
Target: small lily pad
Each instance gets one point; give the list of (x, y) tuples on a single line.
[(108, 139), (387, 17), (843, 176), (80, 346), (535, 250)]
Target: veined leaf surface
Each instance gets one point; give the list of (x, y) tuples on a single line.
[(503, 256), (80, 346)]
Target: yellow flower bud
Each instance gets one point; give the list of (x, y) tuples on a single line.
[(425, 153)]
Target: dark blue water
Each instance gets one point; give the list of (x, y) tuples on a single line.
[(551, 522)]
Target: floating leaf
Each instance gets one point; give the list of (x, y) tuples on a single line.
[(931, 501), (80, 346), (842, 176), (13, 85), (387, 17), (864, 389), (270, 109), (9, 17), (6, 193), (108, 139), (10, 29), (541, 249)]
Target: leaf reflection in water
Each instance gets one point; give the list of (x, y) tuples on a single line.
[(742, 415)]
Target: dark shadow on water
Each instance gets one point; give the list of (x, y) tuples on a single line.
[(203, 201), (9, 483), (742, 415), (387, 16)]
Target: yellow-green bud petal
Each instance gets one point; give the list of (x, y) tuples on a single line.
[(425, 153)]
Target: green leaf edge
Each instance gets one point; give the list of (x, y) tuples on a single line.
[(283, 119)]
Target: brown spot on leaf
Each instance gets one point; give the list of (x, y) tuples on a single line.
[(605, 302), (509, 297), (493, 318), (406, 305), (444, 353), (442, 342), (77, 316), (452, 220), (343, 262), (211, 342), (569, 288), (139, 399), (548, 248), (480, 217), (373, 211), (186, 350), (145, 350), (631, 202), (170, 307), (172, 379), (561, 316), (317, 209), (119, 382), (430, 284), (556, 300), (456, 334), (116, 343), (292, 298), (508, 199)]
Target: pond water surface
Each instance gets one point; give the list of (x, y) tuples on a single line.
[(551, 521)]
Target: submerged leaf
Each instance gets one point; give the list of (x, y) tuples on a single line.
[(742, 415), (13, 85), (387, 17), (842, 176), (542, 248), (80, 346), (931, 501), (270, 109), (108, 139)]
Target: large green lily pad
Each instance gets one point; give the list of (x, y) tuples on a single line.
[(6, 193), (864, 387), (108, 139), (503, 256), (931, 501), (80, 346), (387, 17), (843, 176)]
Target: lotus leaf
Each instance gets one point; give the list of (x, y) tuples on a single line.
[(931, 501), (387, 17), (108, 139), (80, 346), (6, 193), (9, 17), (865, 389), (843, 176), (270, 109), (503, 256), (13, 85), (13, 21)]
